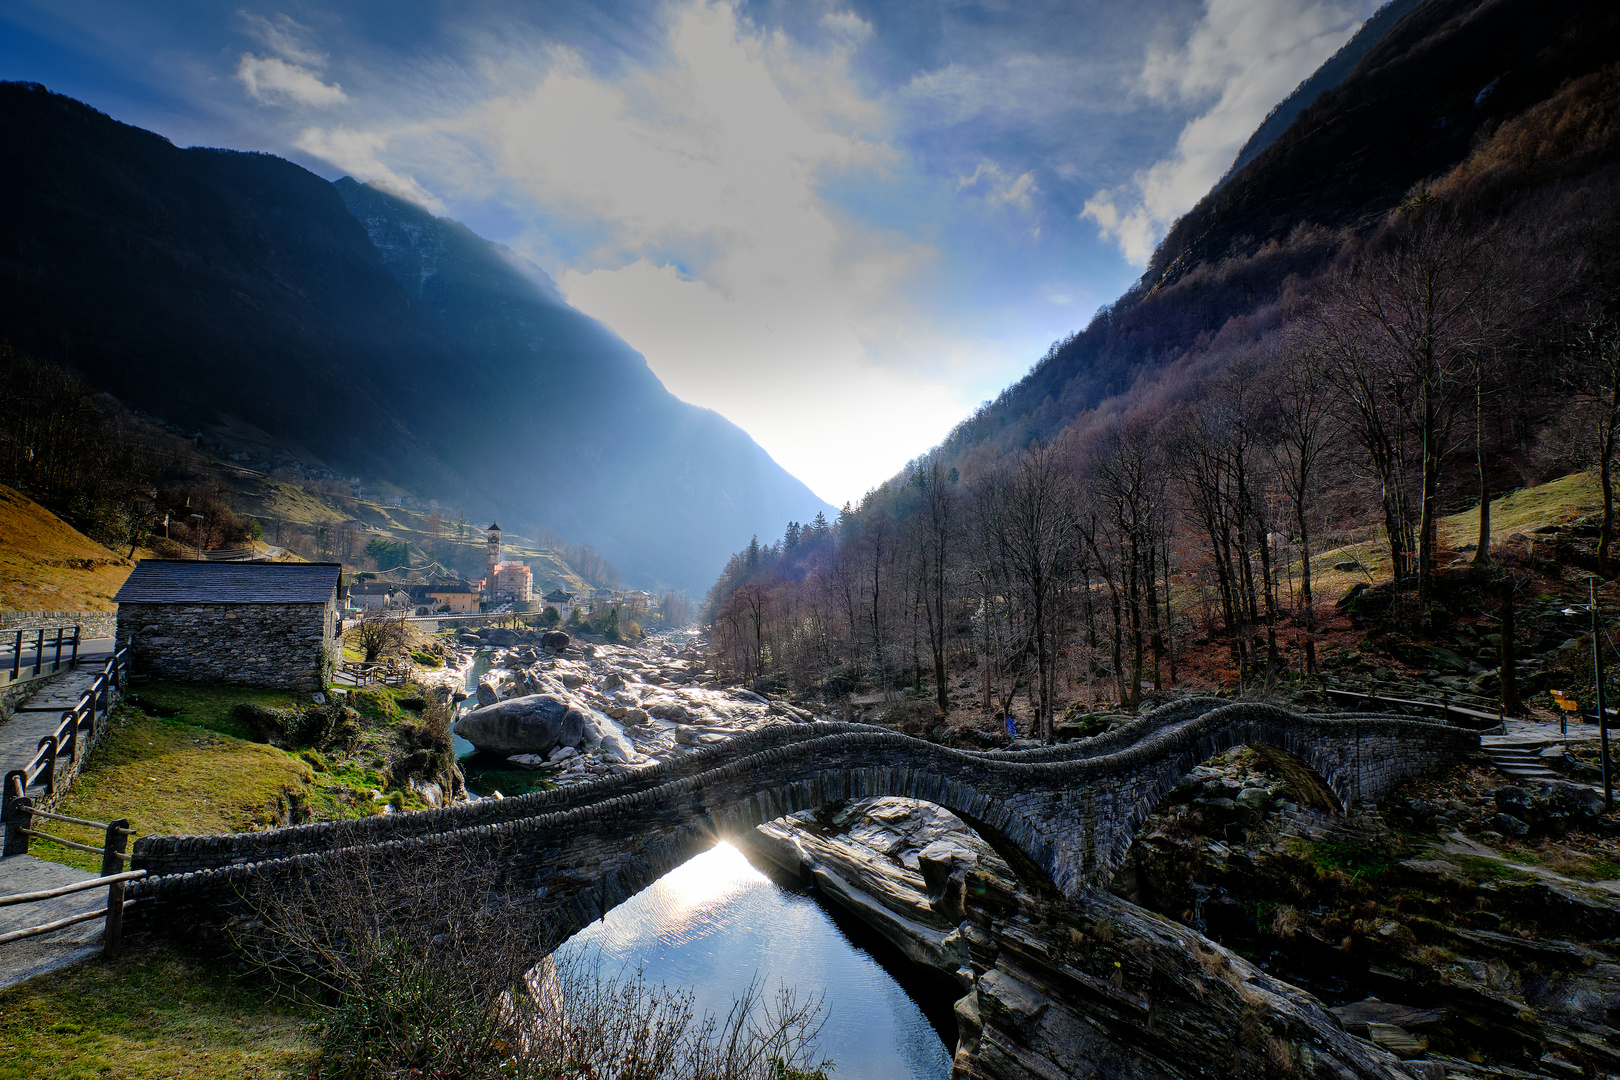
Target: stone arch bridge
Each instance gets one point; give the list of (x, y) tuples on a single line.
[(1063, 816)]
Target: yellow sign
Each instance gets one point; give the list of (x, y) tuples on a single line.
[(1565, 702)]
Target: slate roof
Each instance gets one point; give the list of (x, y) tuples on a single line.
[(174, 581)]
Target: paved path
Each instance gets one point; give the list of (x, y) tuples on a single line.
[(20, 960), (38, 716)]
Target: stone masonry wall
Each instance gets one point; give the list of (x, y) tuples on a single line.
[(1061, 823), (93, 624), (283, 645)]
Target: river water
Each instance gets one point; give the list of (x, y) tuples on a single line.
[(716, 924)]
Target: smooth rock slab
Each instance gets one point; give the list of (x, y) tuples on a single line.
[(532, 724)]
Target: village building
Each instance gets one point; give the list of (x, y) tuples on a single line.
[(557, 596), (514, 581), (256, 624), (458, 596), (505, 581), (375, 595)]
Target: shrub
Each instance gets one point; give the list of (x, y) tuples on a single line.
[(427, 967)]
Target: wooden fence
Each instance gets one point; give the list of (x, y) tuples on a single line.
[(20, 827), (75, 733), (39, 640)]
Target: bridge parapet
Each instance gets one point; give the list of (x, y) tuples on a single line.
[(1064, 817)]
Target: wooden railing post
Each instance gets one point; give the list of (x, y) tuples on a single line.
[(69, 723), (112, 862), (56, 664), (19, 814), (75, 644), (48, 744), (16, 659), (39, 651)]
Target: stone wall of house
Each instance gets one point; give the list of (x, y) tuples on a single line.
[(294, 646), (92, 624)]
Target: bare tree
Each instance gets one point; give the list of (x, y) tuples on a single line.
[(1402, 330), (1303, 426), (380, 632), (1593, 377)]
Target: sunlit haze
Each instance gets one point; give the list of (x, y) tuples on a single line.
[(842, 226)]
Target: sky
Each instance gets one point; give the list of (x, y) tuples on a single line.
[(842, 225)]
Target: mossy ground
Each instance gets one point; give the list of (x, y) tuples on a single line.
[(176, 761), (151, 1014)]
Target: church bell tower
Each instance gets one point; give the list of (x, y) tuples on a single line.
[(494, 540)]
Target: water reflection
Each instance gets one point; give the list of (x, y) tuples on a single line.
[(716, 924)]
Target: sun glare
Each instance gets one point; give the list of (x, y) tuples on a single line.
[(714, 875)]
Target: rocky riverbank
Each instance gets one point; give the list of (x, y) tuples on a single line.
[(1247, 935), (582, 711)]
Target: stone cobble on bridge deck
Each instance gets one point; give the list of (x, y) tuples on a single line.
[(1064, 817)]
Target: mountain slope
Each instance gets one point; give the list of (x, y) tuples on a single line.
[(1439, 82), (223, 289), (1333, 71)]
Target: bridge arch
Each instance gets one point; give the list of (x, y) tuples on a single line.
[(1064, 817)]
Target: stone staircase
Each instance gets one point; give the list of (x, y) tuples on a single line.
[(1520, 762)]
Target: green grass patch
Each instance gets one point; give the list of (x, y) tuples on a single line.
[(169, 776), (1485, 868), (1355, 861), (151, 1014), (209, 705)]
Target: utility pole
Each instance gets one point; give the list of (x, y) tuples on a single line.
[(1597, 694)]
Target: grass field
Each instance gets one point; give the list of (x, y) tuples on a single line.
[(47, 565), (151, 1014), (1518, 511), (177, 761)]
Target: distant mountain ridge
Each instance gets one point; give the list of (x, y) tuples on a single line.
[(1442, 77), (1334, 70), (198, 284)]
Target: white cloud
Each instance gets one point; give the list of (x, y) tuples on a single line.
[(359, 153), (1000, 188), (1241, 59), (272, 80), (689, 196), (285, 37)]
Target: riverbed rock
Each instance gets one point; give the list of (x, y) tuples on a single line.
[(502, 637), (487, 694), (602, 733), (556, 640), (532, 724)]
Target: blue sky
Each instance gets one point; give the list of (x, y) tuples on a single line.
[(842, 225)]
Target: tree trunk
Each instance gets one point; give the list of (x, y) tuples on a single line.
[(1306, 599), (1482, 553), (1510, 686)]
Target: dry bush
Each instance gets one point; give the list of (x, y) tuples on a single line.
[(427, 967)]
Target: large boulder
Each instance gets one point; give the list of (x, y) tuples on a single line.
[(601, 732), (487, 694), (532, 724), (555, 639), (503, 637)]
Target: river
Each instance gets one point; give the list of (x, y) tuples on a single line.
[(716, 924)]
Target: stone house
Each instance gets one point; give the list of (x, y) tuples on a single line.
[(258, 624)]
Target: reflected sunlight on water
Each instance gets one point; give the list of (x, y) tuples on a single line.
[(715, 924)]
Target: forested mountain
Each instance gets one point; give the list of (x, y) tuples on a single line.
[(1408, 303), (238, 291), (1419, 101)]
